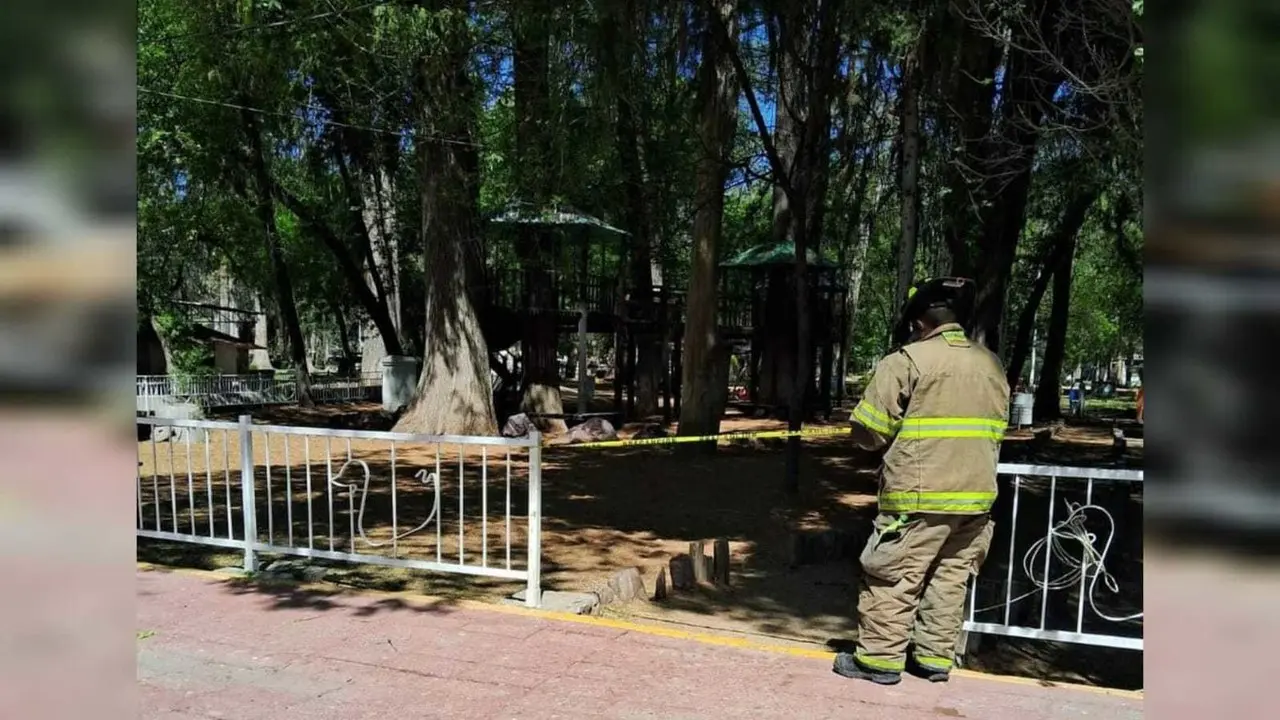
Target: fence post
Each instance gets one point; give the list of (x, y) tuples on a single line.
[(533, 591), (247, 502)]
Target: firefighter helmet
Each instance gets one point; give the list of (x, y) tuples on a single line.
[(954, 293)]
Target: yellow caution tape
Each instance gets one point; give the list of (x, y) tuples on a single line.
[(678, 439)]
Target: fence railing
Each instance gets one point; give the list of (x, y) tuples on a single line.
[(364, 386), (1065, 562), (450, 504), (214, 391)]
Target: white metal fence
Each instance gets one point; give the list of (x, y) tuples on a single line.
[(451, 504), (154, 392), (1066, 561)]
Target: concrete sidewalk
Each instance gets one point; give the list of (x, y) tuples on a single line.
[(212, 649)]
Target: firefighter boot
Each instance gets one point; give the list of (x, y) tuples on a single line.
[(921, 669), (848, 666)]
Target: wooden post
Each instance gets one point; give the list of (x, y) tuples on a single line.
[(663, 333), (582, 355), (721, 568), (824, 375), (631, 372), (681, 573), (617, 369), (753, 357), (844, 347), (699, 562), (677, 369)]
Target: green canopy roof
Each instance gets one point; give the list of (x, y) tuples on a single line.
[(522, 213), (774, 254)]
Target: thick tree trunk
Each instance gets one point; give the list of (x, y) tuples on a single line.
[(1060, 246), (454, 394), (970, 105), (1006, 162), (536, 180), (701, 403), (1000, 242), (1048, 402), (541, 373)]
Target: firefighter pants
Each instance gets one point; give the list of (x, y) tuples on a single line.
[(915, 574)]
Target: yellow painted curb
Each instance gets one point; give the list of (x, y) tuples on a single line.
[(654, 629)]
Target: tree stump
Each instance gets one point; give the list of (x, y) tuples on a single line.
[(721, 565), (681, 567)]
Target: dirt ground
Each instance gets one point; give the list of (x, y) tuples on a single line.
[(604, 510)]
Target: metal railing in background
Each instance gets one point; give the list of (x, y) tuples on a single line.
[(207, 392), (450, 504), (1065, 563), (352, 388)]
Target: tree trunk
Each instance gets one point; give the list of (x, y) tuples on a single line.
[(1006, 163), (1048, 402), (779, 364), (382, 268), (857, 270), (1060, 246), (909, 177), (631, 160), (700, 410), (536, 180), (856, 239), (970, 104), (265, 210), (999, 248), (454, 394), (347, 265), (807, 189), (540, 378), (344, 338)]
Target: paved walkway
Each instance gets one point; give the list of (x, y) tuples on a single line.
[(211, 649)]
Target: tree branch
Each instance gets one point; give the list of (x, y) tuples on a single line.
[(781, 177)]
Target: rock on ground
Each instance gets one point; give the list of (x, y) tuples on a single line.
[(622, 587), (518, 425), (574, 603), (593, 430), (170, 433)]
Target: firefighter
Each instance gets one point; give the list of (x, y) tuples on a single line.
[(937, 407)]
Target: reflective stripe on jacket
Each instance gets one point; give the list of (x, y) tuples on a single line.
[(940, 405)]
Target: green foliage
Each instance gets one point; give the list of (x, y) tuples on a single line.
[(187, 356), (335, 90), (1106, 307)]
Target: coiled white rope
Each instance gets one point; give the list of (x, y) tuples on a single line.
[(428, 479), (1085, 561)]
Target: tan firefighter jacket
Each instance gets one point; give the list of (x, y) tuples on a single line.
[(940, 405)]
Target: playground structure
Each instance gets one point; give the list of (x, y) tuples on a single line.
[(572, 279), (757, 306)]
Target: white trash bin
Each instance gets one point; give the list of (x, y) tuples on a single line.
[(399, 381)]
